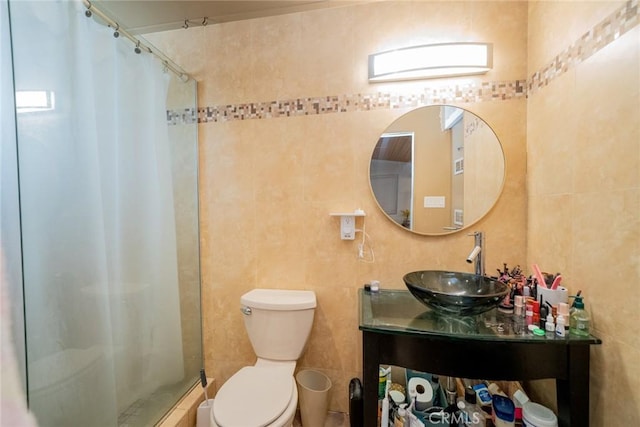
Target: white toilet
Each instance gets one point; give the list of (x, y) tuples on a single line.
[(278, 323)]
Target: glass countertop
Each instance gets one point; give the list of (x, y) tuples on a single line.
[(399, 312)]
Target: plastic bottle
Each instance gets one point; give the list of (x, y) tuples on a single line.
[(400, 419), (579, 321), (503, 411), (549, 325), (473, 414), (560, 326)]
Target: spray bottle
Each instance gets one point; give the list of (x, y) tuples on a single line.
[(579, 320)]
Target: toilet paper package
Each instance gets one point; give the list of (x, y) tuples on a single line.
[(420, 390)]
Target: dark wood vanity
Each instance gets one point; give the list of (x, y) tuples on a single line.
[(399, 330)]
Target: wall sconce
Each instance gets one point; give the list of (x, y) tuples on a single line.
[(431, 61)]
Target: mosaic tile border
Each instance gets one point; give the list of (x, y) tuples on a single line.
[(603, 33), (362, 102)]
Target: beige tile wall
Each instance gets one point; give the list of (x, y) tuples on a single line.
[(583, 148), (268, 185)]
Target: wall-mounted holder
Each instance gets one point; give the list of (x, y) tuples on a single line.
[(348, 223)]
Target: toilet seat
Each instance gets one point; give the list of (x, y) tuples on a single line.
[(254, 396)]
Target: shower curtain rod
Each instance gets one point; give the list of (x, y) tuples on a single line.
[(168, 64)]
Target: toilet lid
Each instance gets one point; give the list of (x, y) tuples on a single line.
[(253, 397)]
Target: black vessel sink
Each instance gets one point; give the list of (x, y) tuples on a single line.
[(455, 293)]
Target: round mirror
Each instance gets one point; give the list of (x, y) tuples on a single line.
[(437, 169)]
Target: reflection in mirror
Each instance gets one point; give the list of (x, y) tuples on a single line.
[(437, 170)]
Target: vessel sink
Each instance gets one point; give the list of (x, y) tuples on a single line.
[(458, 293)]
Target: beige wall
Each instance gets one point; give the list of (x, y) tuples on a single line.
[(267, 185), (583, 147)]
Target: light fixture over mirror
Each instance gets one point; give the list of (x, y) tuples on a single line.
[(431, 61), (437, 170)]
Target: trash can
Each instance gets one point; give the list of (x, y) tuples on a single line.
[(313, 394)]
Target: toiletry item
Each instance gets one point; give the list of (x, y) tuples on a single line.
[(554, 296), (550, 326), (383, 375), (375, 285), (536, 415), (400, 419), (529, 312), (561, 327), (535, 330), (553, 309), (420, 389), (544, 312), (519, 399), (412, 419), (518, 305), (503, 411), (579, 320), (573, 306), (539, 276), (563, 311), (556, 281), (483, 397), (536, 313), (495, 389), (473, 415), (384, 416)]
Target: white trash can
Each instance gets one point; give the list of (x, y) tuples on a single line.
[(313, 394)]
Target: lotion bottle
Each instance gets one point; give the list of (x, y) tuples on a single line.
[(560, 327)]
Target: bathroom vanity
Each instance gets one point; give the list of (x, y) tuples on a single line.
[(398, 330)]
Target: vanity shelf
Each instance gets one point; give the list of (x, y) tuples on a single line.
[(399, 330)]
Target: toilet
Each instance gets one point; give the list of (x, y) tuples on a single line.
[(278, 323)]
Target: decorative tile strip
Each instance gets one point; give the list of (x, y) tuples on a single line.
[(603, 33), (608, 30), (184, 116), (363, 102)]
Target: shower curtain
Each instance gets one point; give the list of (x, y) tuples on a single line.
[(98, 227)]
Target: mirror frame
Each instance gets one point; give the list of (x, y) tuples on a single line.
[(465, 226)]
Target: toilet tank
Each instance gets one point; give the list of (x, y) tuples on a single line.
[(278, 321)]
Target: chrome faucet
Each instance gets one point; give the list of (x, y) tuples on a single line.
[(477, 254)]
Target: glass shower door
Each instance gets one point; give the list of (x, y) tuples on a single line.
[(109, 222)]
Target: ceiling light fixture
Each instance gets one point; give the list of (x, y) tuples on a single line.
[(431, 61)]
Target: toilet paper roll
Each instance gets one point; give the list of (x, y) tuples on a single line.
[(421, 390)]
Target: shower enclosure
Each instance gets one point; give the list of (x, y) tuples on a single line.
[(100, 219)]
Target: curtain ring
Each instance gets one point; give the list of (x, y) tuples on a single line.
[(186, 24), (88, 12), (137, 48), (116, 34)]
